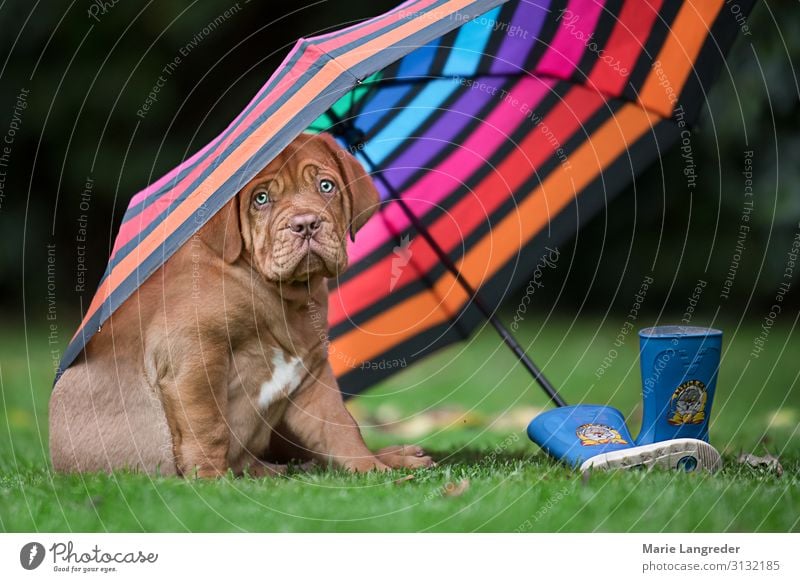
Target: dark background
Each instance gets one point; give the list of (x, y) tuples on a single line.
[(87, 77)]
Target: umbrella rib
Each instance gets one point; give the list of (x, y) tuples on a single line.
[(398, 81)]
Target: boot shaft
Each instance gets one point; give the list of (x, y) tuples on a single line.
[(679, 377)]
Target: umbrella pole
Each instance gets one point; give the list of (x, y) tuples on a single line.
[(473, 294)]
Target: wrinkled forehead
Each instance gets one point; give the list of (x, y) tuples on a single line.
[(303, 153)]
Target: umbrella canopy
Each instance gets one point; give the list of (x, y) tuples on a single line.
[(502, 126)]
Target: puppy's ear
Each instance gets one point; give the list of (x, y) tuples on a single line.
[(223, 232), (362, 197)]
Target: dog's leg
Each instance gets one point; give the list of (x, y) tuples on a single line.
[(195, 397), (317, 421), (260, 469)]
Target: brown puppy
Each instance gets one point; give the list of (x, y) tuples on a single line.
[(219, 360)]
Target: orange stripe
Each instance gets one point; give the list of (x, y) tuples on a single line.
[(676, 60), (310, 91), (499, 246)]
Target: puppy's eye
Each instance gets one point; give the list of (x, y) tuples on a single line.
[(261, 198), (326, 186)]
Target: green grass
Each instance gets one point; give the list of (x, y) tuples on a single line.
[(467, 405)]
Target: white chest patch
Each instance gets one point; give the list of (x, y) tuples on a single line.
[(286, 376)]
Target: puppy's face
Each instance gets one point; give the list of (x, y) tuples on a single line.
[(298, 212)]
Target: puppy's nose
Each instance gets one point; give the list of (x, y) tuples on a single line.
[(305, 225)]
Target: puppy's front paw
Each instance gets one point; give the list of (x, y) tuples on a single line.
[(206, 473), (404, 457), (264, 469), (365, 464)]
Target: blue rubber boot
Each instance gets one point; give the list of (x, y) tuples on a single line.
[(574, 434), (679, 377)]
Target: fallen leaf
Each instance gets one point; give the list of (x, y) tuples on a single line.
[(432, 420), (388, 413), (402, 480), (456, 489), (518, 418), (768, 462)]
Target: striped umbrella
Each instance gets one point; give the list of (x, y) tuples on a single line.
[(493, 129)]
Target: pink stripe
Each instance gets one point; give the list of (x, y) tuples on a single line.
[(440, 182), (576, 24)]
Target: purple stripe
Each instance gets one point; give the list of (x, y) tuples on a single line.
[(521, 35), (439, 135)]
